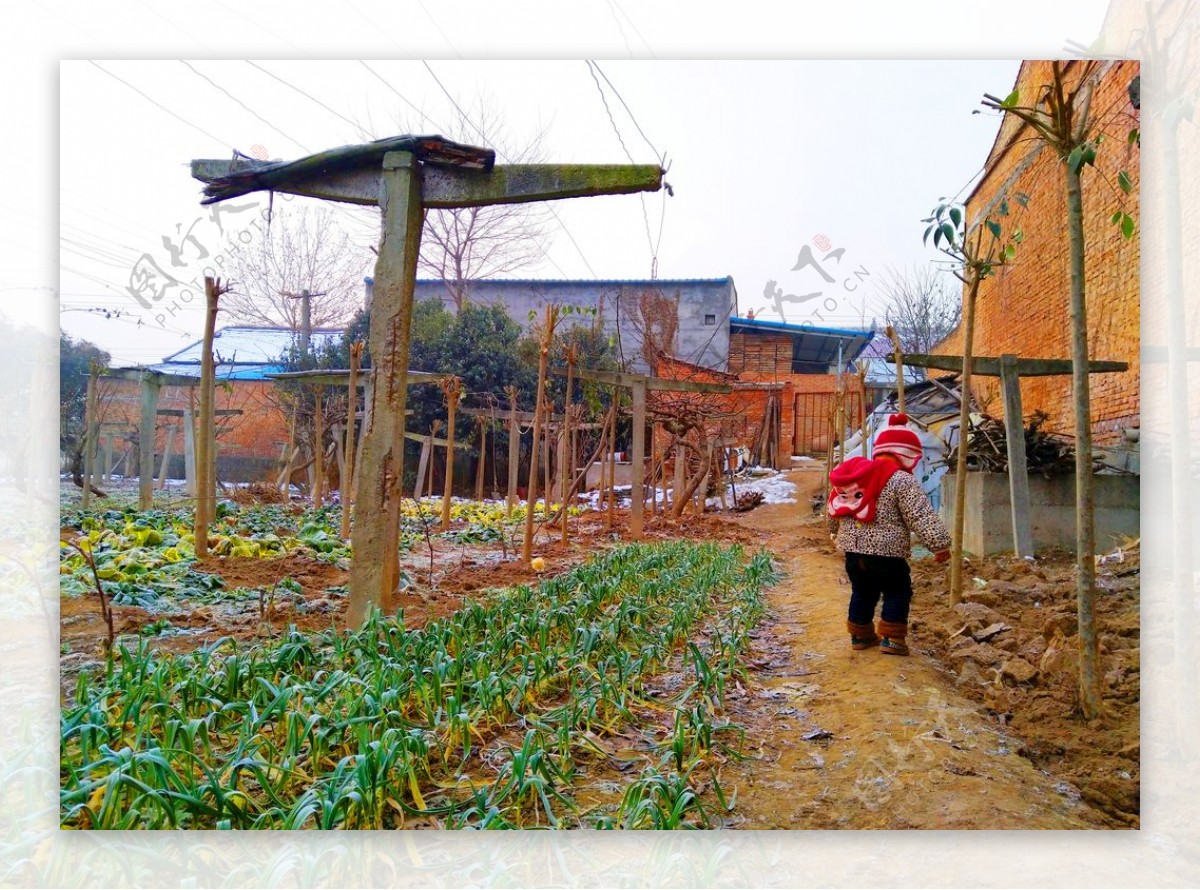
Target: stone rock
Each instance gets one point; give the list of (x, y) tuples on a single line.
[(1033, 649), (992, 630), (1018, 670), (1064, 623), (984, 597), (980, 653), (976, 615)]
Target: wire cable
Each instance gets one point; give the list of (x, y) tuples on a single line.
[(163, 107), (311, 98), (217, 86)]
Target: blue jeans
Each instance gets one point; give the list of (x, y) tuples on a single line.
[(875, 576)]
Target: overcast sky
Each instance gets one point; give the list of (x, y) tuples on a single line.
[(765, 158)]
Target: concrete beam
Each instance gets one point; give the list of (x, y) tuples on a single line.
[(447, 187), (989, 366)]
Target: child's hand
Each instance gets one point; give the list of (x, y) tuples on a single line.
[(941, 556)]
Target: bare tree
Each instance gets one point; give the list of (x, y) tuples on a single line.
[(468, 243), (304, 248), (922, 304)]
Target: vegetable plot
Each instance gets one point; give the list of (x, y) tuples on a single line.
[(516, 711)]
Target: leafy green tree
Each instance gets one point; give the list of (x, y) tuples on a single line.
[(75, 359), (1062, 118)]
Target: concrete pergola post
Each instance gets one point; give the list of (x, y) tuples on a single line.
[(389, 174), (1010, 369)]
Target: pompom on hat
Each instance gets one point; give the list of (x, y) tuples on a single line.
[(900, 442)]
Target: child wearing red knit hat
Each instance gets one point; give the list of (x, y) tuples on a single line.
[(875, 506)]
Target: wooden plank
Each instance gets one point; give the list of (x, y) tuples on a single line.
[(159, 377), (988, 366), (1018, 475)]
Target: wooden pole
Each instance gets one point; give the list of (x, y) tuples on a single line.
[(543, 364), (347, 483), (205, 476), (423, 464), (481, 467), (375, 569), (566, 440), (318, 492), (637, 503), (547, 484), (898, 355), (1090, 671), (514, 450), (964, 427), (1018, 475), (90, 428), (452, 387)]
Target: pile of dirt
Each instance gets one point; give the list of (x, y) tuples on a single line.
[(1013, 644)]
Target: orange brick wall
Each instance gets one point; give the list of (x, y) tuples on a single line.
[(760, 353), (255, 437), (1025, 308), (749, 400)]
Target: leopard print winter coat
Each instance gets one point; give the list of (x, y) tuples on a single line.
[(901, 509)]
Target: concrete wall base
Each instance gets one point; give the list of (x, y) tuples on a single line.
[(988, 526)]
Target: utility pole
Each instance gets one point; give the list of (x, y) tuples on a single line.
[(305, 297)]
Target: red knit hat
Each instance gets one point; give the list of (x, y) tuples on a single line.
[(899, 441)]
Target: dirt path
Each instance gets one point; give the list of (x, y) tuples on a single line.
[(891, 744)]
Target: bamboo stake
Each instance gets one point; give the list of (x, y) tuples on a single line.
[(452, 387), (543, 363)]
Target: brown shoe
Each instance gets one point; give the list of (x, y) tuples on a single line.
[(862, 636), (892, 638)]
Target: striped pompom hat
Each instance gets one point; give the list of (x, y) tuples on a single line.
[(899, 441)]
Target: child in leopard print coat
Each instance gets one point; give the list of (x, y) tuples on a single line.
[(874, 507)]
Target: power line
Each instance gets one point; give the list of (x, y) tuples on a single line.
[(217, 86), (657, 154), (592, 69), (403, 98), (466, 118), (633, 25), (161, 106), (311, 98)]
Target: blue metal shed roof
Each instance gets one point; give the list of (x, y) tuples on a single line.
[(812, 345)]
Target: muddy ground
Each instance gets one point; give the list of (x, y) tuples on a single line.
[(977, 729)]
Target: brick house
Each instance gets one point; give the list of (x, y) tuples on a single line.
[(1024, 308), (249, 443)]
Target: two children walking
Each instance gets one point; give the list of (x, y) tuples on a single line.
[(874, 507)]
